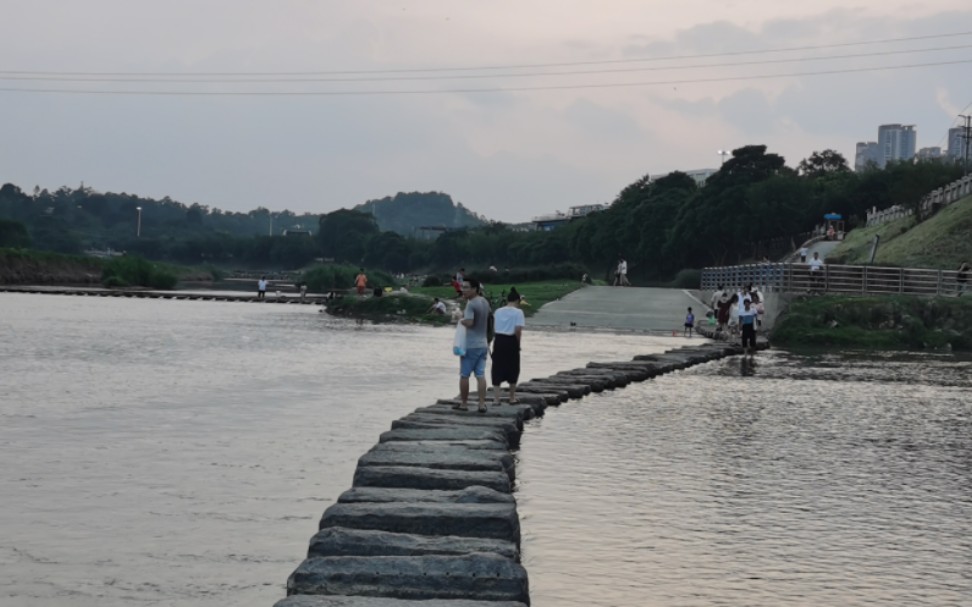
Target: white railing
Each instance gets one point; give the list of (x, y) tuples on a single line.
[(943, 196), (833, 278)]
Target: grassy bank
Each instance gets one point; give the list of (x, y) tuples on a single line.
[(413, 306), (877, 322), (941, 242), (30, 267)]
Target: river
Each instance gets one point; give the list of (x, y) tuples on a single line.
[(180, 453)]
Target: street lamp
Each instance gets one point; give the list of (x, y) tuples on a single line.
[(138, 224), (723, 153)]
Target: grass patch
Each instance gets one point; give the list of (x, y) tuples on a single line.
[(877, 322), (414, 306), (536, 293)]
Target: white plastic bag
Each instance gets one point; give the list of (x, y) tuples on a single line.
[(459, 344)]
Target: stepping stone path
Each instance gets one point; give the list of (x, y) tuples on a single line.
[(430, 520)]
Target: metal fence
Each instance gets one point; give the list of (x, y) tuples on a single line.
[(833, 278)]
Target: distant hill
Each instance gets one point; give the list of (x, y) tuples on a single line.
[(941, 242), (408, 213)]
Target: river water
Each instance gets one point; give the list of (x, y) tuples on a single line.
[(180, 453)]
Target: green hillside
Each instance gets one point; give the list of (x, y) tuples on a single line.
[(407, 213), (941, 242)]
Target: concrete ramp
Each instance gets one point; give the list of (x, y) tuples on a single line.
[(619, 308)]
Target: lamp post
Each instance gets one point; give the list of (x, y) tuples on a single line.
[(138, 223), (723, 153)]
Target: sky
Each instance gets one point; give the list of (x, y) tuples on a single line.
[(513, 108)]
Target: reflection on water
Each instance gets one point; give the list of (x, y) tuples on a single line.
[(824, 480)]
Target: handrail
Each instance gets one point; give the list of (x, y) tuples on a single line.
[(833, 278)]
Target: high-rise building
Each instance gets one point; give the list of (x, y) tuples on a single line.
[(956, 142), (867, 154), (896, 142), (930, 153)]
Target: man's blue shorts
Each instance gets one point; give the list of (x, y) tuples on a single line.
[(473, 362)]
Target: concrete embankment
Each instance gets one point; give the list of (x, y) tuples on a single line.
[(430, 519), (146, 294)]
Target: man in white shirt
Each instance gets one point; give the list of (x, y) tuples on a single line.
[(262, 288), (816, 272)]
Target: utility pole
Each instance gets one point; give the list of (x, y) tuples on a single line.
[(968, 139)]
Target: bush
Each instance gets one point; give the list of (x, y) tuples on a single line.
[(132, 270), (434, 281), (687, 279)]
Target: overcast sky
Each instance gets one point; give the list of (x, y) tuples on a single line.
[(643, 87)]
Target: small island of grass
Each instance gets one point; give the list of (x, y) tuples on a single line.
[(413, 306)]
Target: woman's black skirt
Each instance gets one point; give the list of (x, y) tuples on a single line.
[(506, 359)]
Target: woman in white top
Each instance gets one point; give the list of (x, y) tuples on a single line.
[(508, 322)]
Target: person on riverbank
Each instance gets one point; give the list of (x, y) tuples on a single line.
[(262, 288), (803, 254), (714, 299), (457, 281), (361, 282), (623, 272), (438, 307), (723, 309), (816, 273), (509, 322), (689, 323), (475, 318), (962, 279)]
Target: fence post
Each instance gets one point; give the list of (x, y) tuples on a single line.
[(901, 281), (864, 282), (826, 279), (938, 288)]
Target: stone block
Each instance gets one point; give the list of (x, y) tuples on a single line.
[(469, 495), (485, 576), (496, 521), (339, 541), (415, 477)]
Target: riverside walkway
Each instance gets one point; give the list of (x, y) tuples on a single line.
[(618, 308)]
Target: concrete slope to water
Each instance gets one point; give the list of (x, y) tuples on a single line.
[(622, 308)]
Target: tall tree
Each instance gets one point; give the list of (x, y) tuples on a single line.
[(823, 163)]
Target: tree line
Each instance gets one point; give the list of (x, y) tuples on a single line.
[(659, 225)]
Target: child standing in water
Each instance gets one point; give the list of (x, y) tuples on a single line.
[(689, 323)]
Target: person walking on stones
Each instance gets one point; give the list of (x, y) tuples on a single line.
[(262, 288), (473, 362), (747, 320), (509, 322)]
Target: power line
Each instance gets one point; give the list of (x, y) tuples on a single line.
[(552, 87), (502, 67), (238, 80)]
